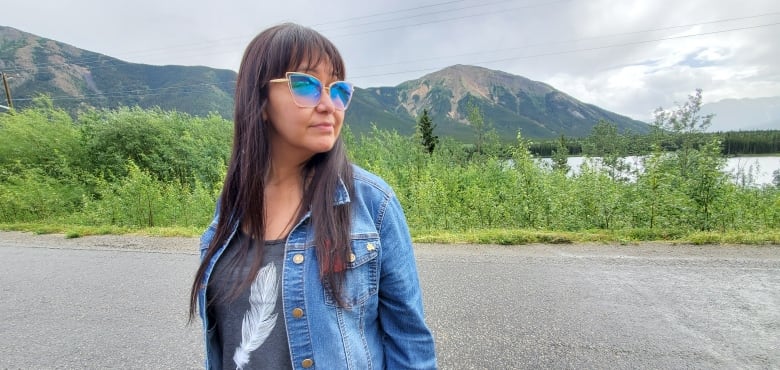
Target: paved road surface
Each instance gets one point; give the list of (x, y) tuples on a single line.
[(105, 302)]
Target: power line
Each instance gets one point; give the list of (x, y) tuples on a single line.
[(108, 61), (527, 46), (450, 19), (100, 58), (151, 92), (482, 5), (386, 13), (137, 92), (582, 49), (87, 61)]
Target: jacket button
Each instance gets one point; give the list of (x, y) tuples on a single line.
[(298, 259), (307, 363), (370, 246), (297, 313), (352, 257)]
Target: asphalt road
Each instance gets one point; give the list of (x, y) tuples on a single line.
[(106, 303)]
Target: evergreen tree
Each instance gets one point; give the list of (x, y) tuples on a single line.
[(477, 122), (425, 129)]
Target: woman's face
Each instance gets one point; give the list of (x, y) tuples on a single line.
[(303, 132)]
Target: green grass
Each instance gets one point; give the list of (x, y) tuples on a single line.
[(77, 231), (629, 236), (481, 236), (765, 237)]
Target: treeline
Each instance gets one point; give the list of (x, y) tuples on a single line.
[(732, 143), (140, 168), (751, 142)]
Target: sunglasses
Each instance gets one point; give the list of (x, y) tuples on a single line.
[(307, 90)]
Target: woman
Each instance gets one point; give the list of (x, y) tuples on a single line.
[(308, 262)]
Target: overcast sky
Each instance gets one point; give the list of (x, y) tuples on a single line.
[(627, 56)]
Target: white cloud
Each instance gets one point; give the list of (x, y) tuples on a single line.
[(609, 53)]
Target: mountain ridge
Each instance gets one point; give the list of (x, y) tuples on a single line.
[(744, 114), (78, 79), (508, 102)]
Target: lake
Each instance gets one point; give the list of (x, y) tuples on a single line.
[(746, 170)]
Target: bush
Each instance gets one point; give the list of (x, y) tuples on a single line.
[(134, 168)]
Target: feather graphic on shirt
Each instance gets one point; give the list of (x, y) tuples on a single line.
[(259, 320)]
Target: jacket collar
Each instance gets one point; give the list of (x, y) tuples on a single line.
[(342, 195)]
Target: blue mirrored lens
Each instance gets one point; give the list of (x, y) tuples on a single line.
[(306, 89), (341, 93)]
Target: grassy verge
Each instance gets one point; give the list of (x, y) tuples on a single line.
[(483, 236), (516, 237), (76, 231)]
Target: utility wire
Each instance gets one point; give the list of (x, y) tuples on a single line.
[(528, 46), (86, 61), (107, 61), (100, 58), (578, 50), (351, 34), (137, 91), (146, 92), (482, 5), (386, 13)]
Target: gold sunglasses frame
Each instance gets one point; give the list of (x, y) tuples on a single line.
[(324, 89)]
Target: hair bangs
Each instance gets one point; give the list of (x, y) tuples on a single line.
[(309, 49)]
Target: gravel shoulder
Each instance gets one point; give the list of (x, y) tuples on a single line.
[(580, 250), (105, 242)]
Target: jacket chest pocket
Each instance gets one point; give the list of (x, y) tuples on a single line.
[(362, 275)]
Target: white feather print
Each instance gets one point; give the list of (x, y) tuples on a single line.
[(259, 320)]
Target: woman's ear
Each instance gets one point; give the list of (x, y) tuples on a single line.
[(264, 115)]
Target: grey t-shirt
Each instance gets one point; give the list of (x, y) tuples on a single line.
[(251, 328)]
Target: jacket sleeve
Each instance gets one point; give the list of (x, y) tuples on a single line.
[(408, 343), (208, 234)]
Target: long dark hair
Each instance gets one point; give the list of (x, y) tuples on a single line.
[(270, 54)]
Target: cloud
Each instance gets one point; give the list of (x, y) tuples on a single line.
[(626, 56)]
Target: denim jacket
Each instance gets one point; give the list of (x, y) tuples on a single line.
[(382, 326)]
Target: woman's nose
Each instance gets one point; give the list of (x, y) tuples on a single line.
[(326, 103)]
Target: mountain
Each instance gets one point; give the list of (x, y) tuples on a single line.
[(77, 78), (507, 102), (744, 114)]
